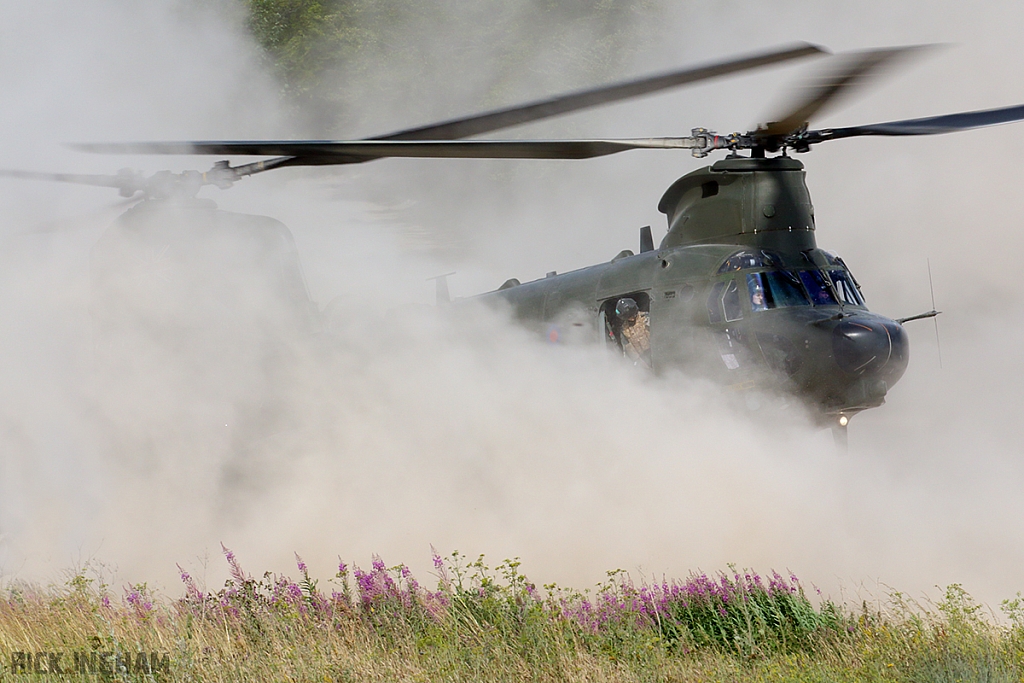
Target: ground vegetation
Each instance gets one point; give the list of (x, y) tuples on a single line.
[(475, 623)]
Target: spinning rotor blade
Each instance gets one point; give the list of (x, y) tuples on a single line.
[(126, 181), (534, 111), (473, 125), (933, 125), (853, 71), (326, 152)]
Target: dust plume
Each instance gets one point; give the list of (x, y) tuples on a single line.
[(404, 428)]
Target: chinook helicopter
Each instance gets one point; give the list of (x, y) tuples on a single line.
[(738, 288)]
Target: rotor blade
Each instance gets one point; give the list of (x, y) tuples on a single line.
[(932, 125), (534, 111), (260, 166), (124, 180), (503, 118), (327, 152), (852, 71), (493, 120)]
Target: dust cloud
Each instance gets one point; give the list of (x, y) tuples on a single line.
[(405, 428)]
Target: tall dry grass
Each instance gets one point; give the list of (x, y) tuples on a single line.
[(479, 623)]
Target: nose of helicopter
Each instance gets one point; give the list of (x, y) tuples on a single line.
[(870, 346)]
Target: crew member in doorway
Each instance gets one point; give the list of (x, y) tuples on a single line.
[(635, 327)]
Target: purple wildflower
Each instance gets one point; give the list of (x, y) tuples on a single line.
[(192, 593), (236, 571), (438, 562)]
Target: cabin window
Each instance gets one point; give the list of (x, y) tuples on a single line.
[(845, 288), (612, 325), (818, 288), (775, 289)]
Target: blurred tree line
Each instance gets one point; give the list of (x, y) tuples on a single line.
[(361, 65)]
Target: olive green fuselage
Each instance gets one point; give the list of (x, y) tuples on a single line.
[(735, 230)]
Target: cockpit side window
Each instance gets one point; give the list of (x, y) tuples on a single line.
[(818, 288), (724, 297), (715, 302), (731, 302), (845, 288)]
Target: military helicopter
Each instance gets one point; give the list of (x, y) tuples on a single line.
[(738, 288)]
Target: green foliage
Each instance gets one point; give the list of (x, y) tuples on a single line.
[(961, 646), (340, 60), (305, 38)]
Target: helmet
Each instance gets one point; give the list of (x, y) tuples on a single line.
[(626, 308)]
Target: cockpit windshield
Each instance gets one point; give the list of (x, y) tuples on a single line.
[(817, 287), (772, 286), (775, 289), (845, 287)]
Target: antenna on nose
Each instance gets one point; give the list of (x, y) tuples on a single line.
[(935, 319), (930, 314)]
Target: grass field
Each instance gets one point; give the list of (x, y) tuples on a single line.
[(484, 624)]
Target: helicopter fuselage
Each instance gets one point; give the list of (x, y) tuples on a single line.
[(738, 291)]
